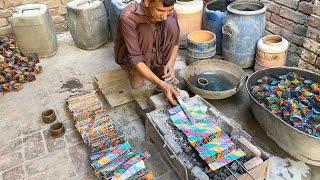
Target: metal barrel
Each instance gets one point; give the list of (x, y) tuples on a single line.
[(242, 28), (88, 23), (201, 45)]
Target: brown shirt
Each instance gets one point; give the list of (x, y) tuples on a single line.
[(138, 39)]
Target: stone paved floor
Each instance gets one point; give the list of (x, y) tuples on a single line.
[(27, 151)]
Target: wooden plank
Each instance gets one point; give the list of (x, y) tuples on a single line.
[(115, 86), (110, 76)]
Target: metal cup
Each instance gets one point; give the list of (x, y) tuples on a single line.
[(202, 82)]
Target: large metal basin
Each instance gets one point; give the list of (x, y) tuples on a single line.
[(212, 66), (297, 143)]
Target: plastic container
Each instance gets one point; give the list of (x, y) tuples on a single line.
[(242, 28), (116, 7), (201, 45), (213, 16), (271, 52), (34, 30), (88, 23), (189, 18)]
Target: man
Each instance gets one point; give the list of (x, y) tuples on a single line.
[(147, 44)]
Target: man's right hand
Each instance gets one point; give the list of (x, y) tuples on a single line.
[(170, 93)]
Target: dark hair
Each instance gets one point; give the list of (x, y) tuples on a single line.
[(166, 3)]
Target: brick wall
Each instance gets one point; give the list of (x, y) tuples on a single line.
[(57, 11), (298, 21)]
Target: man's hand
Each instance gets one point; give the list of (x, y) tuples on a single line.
[(169, 72), (170, 93)]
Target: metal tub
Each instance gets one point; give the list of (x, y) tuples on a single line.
[(297, 143)]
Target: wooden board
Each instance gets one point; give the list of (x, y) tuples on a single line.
[(115, 86)]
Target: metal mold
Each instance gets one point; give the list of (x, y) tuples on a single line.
[(57, 129), (48, 116)]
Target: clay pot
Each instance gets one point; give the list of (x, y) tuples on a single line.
[(48, 116), (271, 52)]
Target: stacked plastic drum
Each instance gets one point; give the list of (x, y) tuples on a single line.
[(189, 18)]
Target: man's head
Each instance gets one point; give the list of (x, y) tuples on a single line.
[(159, 10)]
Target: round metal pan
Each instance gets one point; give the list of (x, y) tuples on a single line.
[(211, 66)]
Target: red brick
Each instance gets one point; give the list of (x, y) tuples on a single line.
[(12, 3), (272, 7), (296, 39), (318, 62), (5, 30), (289, 3), (312, 45), (313, 33), (293, 47), (62, 10), (2, 5), (52, 3), (3, 22), (314, 21), (308, 56), (62, 27), (280, 21), (4, 13), (58, 19), (273, 28), (316, 9), (64, 2), (267, 33), (300, 30), (268, 16), (53, 12), (306, 7), (293, 15)]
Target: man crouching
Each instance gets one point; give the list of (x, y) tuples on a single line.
[(147, 44)]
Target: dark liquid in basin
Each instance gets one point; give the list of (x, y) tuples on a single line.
[(217, 81)]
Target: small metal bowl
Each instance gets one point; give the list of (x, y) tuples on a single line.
[(57, 129), (48, 116), (202, 82)]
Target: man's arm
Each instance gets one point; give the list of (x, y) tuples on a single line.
[(168, 90), (169, 67)]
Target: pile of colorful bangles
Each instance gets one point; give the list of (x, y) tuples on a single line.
[(110, 153), (293, 98), (15, 69)]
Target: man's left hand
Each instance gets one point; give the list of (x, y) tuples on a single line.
[(169, 72)]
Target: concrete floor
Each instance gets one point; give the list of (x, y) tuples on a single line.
[(28, 152)]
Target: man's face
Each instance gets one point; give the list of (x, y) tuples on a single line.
[(157, 11)]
